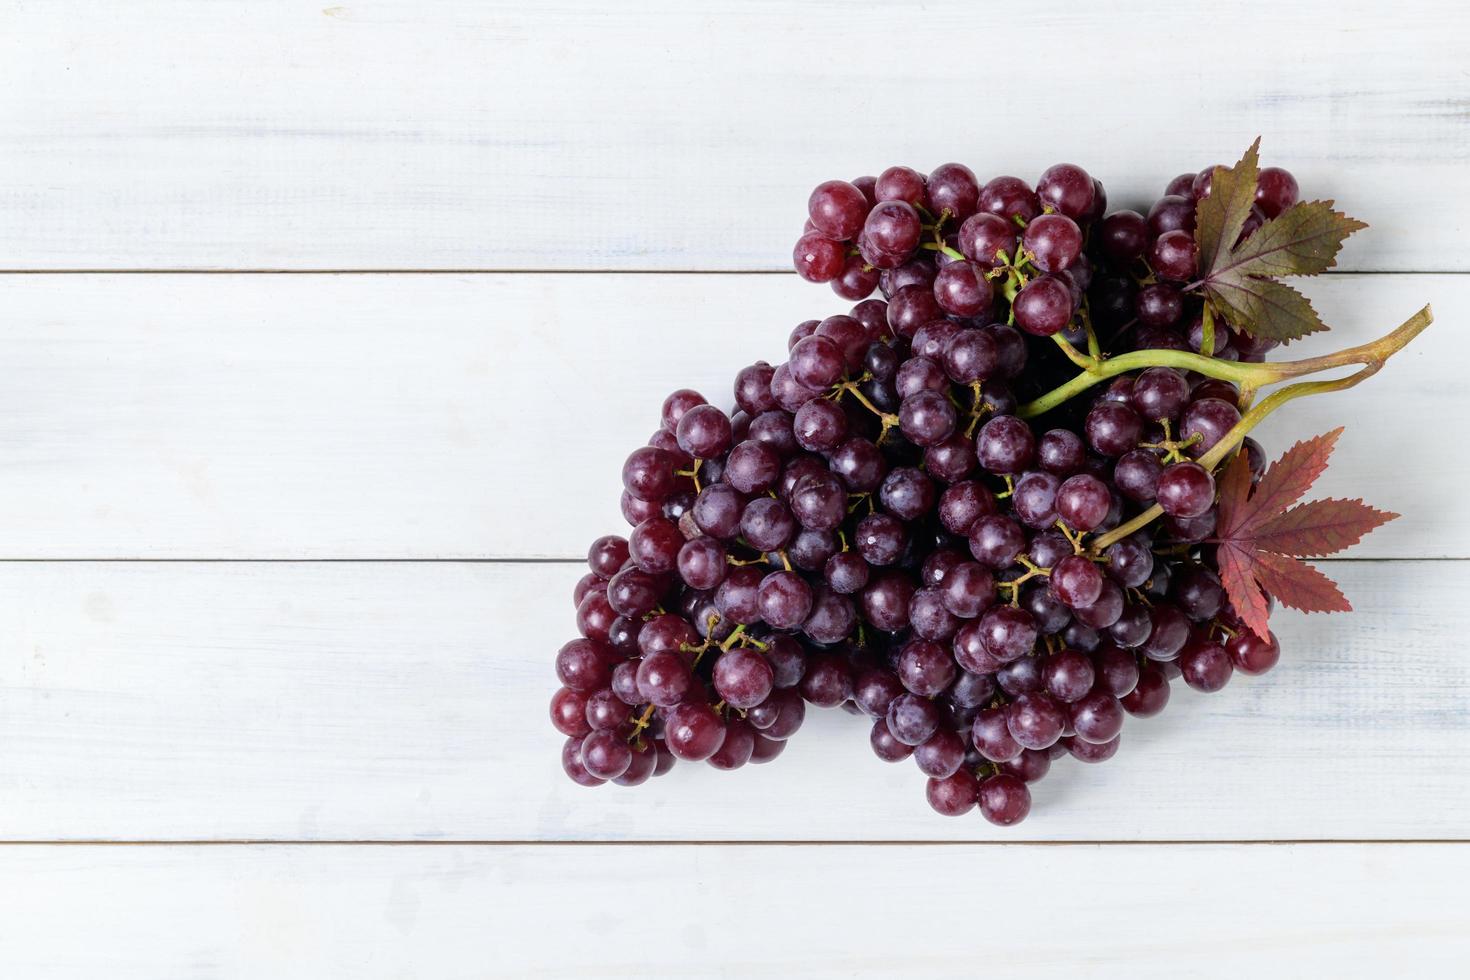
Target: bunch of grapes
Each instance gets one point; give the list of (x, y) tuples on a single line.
[(897, 522)]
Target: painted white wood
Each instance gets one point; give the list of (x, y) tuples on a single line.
[(488, 416), (662, 135), (408, 701), (729, 911)]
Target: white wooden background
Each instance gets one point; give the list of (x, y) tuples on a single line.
[(323, 331)]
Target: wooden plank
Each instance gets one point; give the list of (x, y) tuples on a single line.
[(506, 135), (407, 701), (488, 416), (722, 911)]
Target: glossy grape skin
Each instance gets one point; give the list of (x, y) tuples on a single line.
[(885, 745), (693, 732), (1004, 800), (1249, 653), (886, 602), (1097, 717), (704, 432), (1124, 236), (605, 755), (642, 764), (1173, 256), (1011, 198), (1043, 306), (955, 795), (1197, 590), (1068, 675), (892, 228), (1172, 212), (1104, 612), (837, 209), (1034, 499), (1076, 581), (1117, 671), (940, 755), (752, 467), (1150, 695), (1276, 190), (1205, 666), (1067, 188), (569, 713), (952, 188), (927, 418), (1005, 445), (912, 719), (1136, 475), (1035, 720), (1209, 419), (1060, 451), (991, 736), (961, 289), (1112, 429), (1092, 752), (984, 236), (907, 493), (817, 258), (1054, 241), (1185, 489), (1159, 393), (648, 473), (859, 464), (1168, 635), (1083, 502), (584, 665), (607, 554)]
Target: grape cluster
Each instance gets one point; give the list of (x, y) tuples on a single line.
[(881, 525)]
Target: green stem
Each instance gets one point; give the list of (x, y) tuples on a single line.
[(1251, 376), (1086, 363), (941, 247)]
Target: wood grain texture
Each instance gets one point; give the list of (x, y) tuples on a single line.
[(306, 701), (729, 911), (488, 416), (507, 135)]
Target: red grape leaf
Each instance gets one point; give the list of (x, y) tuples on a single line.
[(1240, 585), (1292, 475), (1299, 585), (1262, 536), (1320, 527), (1237, 276)]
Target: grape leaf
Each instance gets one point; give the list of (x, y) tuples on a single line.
[(1238, 276), (1262, 537)]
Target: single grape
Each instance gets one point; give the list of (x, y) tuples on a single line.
[(1172, 255), (1185, 489), (941, 755), (693, 731), (1067, 188), (817, 258), (1204, 665), (1249, 653), (1054, 241), (1083, 502), (1149, 695), (886, 745), (1043, 306), (1005, 445), (1004, 799), (837, 209), (955, 795), (1123, 236)]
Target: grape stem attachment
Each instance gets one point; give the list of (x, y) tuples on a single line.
[(1371, 356), (1252, 376)]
